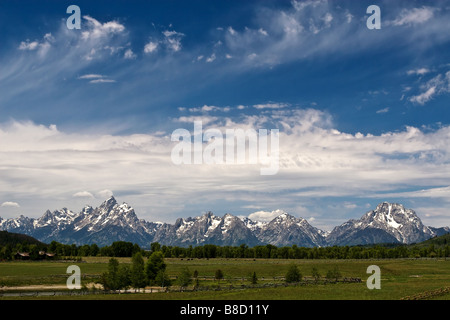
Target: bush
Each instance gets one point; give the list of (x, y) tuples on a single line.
[(293, 274), (315, 274), (218, 275), (333, 274)]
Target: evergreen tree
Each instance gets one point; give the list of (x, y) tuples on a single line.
[(254, 279), (218, 275)]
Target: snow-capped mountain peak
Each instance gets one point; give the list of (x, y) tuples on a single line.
[(389, 222), (111, 221)]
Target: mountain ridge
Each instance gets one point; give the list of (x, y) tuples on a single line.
[(111, 221)]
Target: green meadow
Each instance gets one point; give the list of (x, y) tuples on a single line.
[(400, 278)]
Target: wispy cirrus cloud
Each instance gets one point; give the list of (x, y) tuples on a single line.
[(102, 81), (270, 106), (384, 110), (437, 85), (206, 108), (42, 47), (419, 71), (96, 78), (413, 16), (91, 76)]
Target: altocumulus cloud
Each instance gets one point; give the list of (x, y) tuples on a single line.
[(316, 160), (10, 204)]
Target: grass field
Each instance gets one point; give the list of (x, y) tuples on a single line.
[(399, 278)]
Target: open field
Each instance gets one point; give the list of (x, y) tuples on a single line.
[(399, 278)]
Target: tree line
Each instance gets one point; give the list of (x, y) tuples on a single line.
[(297, 252), (209, 251)]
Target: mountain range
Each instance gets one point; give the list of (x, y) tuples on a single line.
[(111, 221)]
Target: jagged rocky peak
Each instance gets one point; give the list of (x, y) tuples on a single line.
[(281, 215), (47, 215), (395, 215), (109, 203), (87, 210), (388, 222), (57, 216), (388, 207), (286, 217)]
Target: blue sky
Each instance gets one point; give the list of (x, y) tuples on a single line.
[(363, 114)]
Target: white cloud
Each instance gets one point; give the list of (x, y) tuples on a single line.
[(316, 160), (151, 47), (27, 45), (173, 44), (270, 106), (10, 204), (327, 19), (424, 97), (264, 216), (102, 81), (313, 28), (168, 33), (413, 16), (206, 108), (96, 78), (420, 71), (349, 17), (90, 76), (129, 54), (84, 194), (173, 40), (42, 47), (97, 30), (432, 193), (191, 119), (105, 194), (350, 206), (440, 84), (385, 110), (263, 32), (301, 5), (211, 58)]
